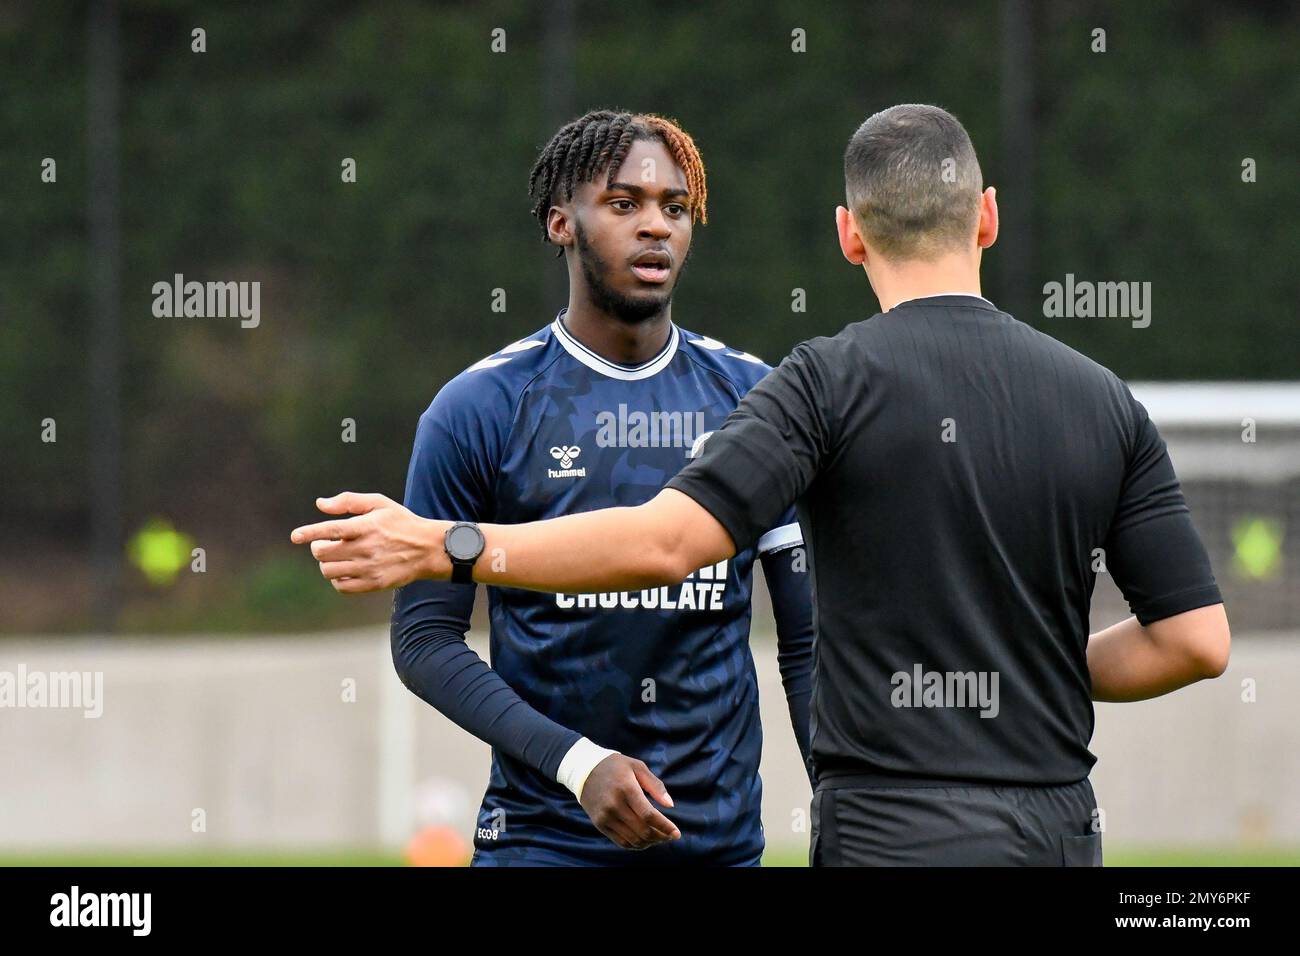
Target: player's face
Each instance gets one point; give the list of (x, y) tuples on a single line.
[(632, 237)]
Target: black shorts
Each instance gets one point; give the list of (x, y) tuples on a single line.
[(969, 825)]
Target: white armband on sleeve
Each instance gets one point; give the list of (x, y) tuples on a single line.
[(778, 539), (578, 764)]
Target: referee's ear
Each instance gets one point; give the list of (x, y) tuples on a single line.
[(988, 230), (851, 243)]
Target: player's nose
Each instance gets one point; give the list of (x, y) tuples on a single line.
[(655, 224)]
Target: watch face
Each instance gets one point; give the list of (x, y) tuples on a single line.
[(464, 543)]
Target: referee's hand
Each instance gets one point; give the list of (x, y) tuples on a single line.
[(385, 546), (614, 796)]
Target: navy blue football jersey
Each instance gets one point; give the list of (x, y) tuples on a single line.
[(546, 427)]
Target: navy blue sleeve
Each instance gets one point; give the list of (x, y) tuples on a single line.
[(788, 582), (450, 477)]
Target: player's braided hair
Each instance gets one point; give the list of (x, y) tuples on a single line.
[(600, 141)]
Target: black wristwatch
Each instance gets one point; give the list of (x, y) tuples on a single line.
[(464, 543)]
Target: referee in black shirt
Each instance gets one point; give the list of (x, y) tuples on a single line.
[(957, 474)]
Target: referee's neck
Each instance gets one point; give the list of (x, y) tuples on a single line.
[(903, 280)]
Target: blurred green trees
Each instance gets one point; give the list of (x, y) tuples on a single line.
[(376, 292)]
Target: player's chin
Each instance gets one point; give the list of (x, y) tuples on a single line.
[(652, 293)]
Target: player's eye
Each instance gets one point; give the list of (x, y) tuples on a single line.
[(676, 209), (623, 205)]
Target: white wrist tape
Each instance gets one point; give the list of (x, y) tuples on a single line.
[(578, 764)]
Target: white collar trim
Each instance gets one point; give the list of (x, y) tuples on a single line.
[(605, 367), (939, 295)]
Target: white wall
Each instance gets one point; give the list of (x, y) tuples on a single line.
[(254, 731)]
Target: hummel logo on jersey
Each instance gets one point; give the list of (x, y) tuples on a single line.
[(565, 454)]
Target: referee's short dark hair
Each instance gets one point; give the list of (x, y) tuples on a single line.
[(913, 183)]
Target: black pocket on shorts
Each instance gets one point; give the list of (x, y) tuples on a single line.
[(1081, 850), (815, 839), (824, 848)]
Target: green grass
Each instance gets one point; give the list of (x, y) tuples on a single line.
[(1136, 856), (1193, 856), (1131, 856), (182, 858)]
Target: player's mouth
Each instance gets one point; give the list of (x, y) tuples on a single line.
[(652, 267)]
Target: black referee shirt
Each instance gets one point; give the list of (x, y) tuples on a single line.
[(957, 474)]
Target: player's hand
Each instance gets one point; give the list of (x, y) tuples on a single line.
[(614, 796), (386, 546)]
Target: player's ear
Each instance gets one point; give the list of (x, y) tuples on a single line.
[(559, 226), (851, 243), (988, 229)]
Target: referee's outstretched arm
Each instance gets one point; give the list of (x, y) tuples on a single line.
[(663, 541)]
